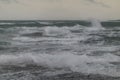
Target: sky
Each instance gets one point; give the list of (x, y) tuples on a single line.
[(59, 9)]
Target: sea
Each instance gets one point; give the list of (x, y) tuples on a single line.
[(59, 50)]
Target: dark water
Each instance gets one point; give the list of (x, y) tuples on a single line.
[(58, 50)]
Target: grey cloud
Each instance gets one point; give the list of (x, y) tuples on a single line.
[(10, 1), (6, 0), (90, 1), (13, 1), (98, 3)]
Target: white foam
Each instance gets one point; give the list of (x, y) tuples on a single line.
[(47, 23), (27, 23), (102, 48), (56, 31), (51, 31), (27, 30), (20, 39), (6, 23), (76, 63), (77, 27)]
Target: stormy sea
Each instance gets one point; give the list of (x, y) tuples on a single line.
[(59, 50)]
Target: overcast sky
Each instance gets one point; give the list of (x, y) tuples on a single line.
[(59, 9)]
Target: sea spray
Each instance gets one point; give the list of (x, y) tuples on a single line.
[(95, 25)]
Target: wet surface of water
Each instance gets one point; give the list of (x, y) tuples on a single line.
[(54, 53)]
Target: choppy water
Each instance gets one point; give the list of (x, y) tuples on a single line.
[(33, 49)]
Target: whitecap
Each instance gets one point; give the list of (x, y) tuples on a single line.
[(75, 63)]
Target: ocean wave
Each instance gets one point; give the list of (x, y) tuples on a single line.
[(76, 63), (56, 31), (45, 23), (6, 23), (66, 46)]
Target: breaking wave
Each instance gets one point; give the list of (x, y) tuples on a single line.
[(76, 63)]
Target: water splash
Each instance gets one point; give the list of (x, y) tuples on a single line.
[(95, 25)]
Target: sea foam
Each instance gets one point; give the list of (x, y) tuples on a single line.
[(75, 63)]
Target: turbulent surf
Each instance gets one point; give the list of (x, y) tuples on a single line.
[(57, 50)]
